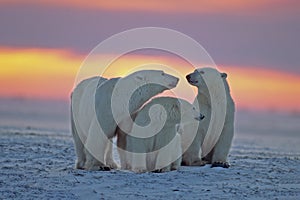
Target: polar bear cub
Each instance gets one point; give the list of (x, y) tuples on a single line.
[(153, 142)]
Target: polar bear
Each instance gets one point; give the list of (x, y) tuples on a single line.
[(153, 142), (97, 108), (213, 98)]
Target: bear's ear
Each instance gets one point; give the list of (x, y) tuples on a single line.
[(223, 75)]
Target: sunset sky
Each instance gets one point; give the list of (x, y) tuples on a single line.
[(43, 44)]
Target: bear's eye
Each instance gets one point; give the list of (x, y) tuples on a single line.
[(194, 109), (139, 78), (201, 72), (163, 73)]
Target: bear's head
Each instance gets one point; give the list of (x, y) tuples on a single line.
[(176, 109), (190, 112), (146, 84), (196, 78)]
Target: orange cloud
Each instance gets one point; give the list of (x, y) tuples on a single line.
[(175, 6), (262, 89), (50, 74), (37, 73)]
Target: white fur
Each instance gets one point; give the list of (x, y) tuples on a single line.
[(93, 123), (83, 111), (189, 141), (216, 132), (157, 141)]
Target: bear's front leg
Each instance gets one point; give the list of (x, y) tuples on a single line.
[(221, 164), (93, 164), (192, 153), (221, 149), (138, 162)]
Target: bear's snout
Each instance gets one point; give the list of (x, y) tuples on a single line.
[(190, 79)]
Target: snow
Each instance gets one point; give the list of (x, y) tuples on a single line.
[(37, 160)]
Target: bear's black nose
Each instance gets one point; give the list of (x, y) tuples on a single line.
[(202, 116), (188, 77)]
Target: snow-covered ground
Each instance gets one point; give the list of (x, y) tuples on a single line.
[(37, 159)]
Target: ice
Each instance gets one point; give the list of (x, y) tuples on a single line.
[(37, 160)]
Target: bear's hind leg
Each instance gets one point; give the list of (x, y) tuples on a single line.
[(109, 156), (78, 145), (95, 147)]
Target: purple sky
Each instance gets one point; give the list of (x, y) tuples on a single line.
[(264, 39)]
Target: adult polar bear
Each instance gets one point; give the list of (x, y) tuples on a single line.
[(93, 119), (215, 102), (153, 142)]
